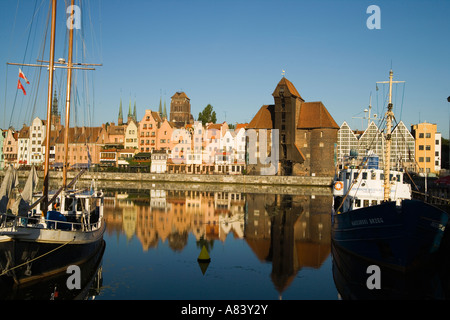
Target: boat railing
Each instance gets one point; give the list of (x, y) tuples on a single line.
[(11, 222)]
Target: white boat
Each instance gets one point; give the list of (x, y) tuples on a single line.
[(42, 234), (358, 187)]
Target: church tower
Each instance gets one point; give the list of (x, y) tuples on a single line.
[(180, 110)]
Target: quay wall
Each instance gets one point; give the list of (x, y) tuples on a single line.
[(197, 178), (237, 183)]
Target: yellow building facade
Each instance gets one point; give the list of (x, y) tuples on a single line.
[(427, 147)]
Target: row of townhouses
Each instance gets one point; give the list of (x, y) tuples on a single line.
[(186, 149)]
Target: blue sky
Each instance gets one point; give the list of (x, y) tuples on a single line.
[(230, 54)]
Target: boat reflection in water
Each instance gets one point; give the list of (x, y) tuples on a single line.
[(355, 279), (54, 286)]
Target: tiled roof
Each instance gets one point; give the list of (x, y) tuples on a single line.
[(241, 125), (156, 116), (80, 135), (315, 115), (24, 132), (289, 86), (263, 119)]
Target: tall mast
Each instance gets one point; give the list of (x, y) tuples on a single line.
[(387, 159), (68, 93), (49, 107)]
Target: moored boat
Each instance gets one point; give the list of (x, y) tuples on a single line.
[(44, 233), (373, 215)]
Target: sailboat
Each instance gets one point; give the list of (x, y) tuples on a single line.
[(46, 232), (375, 217)]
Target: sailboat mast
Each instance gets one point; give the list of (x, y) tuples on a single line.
[(387, 155), (387, 160), (68, 94), (49, 107)]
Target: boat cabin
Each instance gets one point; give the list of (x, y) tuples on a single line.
[(356, 188)]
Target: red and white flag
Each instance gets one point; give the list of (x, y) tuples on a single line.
[(20, 86), (22, 75)]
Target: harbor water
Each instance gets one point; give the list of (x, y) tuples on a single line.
[(260, 246)]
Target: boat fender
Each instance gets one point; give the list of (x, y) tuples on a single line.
[(338, 185)]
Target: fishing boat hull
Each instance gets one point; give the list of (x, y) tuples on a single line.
[(31, 254), (400, 237)]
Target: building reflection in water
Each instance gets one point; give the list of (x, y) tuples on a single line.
[(290, 231)]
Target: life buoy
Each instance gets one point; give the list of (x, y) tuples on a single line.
[(338, 185)]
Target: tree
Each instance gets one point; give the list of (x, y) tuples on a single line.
[(207, 115)]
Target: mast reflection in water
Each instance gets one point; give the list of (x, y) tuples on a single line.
[(262, 246)]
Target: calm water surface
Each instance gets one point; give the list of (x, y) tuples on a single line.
[(262, 246)]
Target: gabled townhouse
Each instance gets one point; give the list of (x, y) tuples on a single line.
[(182, 145), (116, 134), (23, 148), (36, 148), (148, 128), (195, 155), (131, 135), (164, 136), (239, 141), (10, 145)]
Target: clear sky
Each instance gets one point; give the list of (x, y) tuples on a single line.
[(231, 54)]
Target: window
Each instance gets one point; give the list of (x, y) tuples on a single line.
[(428, 135), (428, 147), (437, 142), (420, 159), (421, 147), (428, 159), (420, 135)]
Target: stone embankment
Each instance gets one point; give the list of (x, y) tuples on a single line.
[(235, 183)]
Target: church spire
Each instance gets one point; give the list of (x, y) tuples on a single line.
[(160, 107), (130, 114), (56, 116), (164, 115), (55, 105), (134, 111), (120, 120)]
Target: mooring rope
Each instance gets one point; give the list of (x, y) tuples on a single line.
[(39, 257)]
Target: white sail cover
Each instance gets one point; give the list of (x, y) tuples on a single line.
[(22, 203), (9, 183)]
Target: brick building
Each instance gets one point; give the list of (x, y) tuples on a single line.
[(180, 110), (305, 133)]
